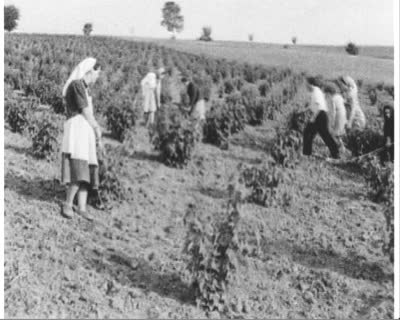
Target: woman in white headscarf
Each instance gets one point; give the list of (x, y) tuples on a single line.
[(81, 131), (357, 117), (151, 90)]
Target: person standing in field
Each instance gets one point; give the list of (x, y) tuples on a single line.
[(388, 130), (319, 122), (196, 101), (357, 118), (337, 113), (79, 168), (151, 90)]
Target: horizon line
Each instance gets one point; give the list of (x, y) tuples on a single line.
[(190, 39)]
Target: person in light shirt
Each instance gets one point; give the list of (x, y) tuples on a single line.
[(337, 113), (151, 90), (357, 118), (319, 122)]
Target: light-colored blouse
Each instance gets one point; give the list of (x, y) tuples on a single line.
[(318, 102)]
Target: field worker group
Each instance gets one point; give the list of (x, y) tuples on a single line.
[(82, 136), (329, 115)]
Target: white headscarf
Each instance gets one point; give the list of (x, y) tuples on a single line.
[(80, 70), (349, 81)]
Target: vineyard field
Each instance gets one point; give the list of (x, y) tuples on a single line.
[(310, 241), (373, 64)]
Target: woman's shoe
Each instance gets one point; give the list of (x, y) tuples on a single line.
[(66, 211), (84, 214)]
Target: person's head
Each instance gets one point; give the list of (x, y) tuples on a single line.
[(388, 111), (330, 88), (87, 70), (160, 73), (348, 83), (93, 74), (313, 82), (184, 80)]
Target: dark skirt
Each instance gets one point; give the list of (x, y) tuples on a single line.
[(78, 171)]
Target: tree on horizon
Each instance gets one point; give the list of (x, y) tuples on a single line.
[(172, 18), (11, 16), (87, 29)]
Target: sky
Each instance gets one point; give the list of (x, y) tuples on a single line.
[(335, 22)]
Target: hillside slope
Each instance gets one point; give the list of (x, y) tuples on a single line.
[(321, 258)]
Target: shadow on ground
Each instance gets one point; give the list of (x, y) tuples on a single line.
[(351, 265), (35, 188), (137, 272)]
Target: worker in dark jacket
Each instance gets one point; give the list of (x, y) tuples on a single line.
[(196, 101), (388, 129)]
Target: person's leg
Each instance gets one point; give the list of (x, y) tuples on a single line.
[(151, 117), (308, 137), (82, 202), (82, 197), (66, 209), (322, 128), (71, 192)]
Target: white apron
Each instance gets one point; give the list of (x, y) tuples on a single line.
[(79, 138)]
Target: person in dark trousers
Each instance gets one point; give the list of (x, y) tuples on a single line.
[(319, 122), (196, 101), (388, 130)]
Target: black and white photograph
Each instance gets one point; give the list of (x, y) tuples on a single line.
[(213, 159)]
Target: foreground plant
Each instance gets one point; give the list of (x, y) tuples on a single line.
[(380, 181), (111, 189), (266, 184), (211, 244), (175, 137)]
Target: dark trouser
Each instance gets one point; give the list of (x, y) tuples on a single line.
[(390, 152), (320, 125)]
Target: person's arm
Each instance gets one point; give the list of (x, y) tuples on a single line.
[(352, 114), (192, 92), (314, 106), (158, 93), (92, 121), (334, 112)]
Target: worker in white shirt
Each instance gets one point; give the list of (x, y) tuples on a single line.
[(357, 118), (337, 113), (319, 122), (151, 90)]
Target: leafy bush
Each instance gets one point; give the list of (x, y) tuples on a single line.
[(165, 95), (111, 189), (373, 97), (206, 34), (211, 244), (352, 49), (379, 178), (120, 119), (254, 107), (49, 93), (388, 247), (287, 147), (361, 142), (175, 137), (380, 182), (222, 120), (17, 113), (264, 183), (44, 131), (298, 119)]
